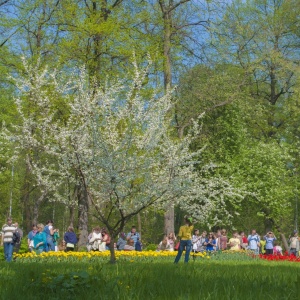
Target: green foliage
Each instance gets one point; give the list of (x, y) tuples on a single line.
[(157, 280), (247, 85), (151, 247)]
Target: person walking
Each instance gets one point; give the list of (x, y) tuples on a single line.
[(185, 236), (8, 231)]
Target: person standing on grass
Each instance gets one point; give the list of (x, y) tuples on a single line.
[(49, 233), (294, 243), (17, 245), (269, 238), (40, 240), (8, 230), (56, 236), (262, 248), (196, 241), (218, 236), (235, 242), (222, 240), (244, 241), (96, 239), (70, 239), (202, 241), (185, 236), (254, 242), (31, 235)]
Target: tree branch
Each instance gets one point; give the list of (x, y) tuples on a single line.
[(177, 4)]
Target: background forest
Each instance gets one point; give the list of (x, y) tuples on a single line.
[(235, 63)]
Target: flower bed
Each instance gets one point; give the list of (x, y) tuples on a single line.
[(284, 257), (148, 256), (120, 255)]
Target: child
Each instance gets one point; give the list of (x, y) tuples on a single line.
[(277, 250)]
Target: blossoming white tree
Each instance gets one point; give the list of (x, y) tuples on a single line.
[(115, 147)]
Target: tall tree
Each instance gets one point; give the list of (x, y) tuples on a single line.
[(119, 145), (260, 36), (174, 29)]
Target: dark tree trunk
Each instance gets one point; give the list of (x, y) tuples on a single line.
[(72, 216), (83, 208), (283, 238), (113, 258)]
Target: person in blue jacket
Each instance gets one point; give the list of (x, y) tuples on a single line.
[(70, 239), (49, 230), (210, 242)]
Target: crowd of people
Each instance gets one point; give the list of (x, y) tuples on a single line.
[(192, 240), (44, 238)]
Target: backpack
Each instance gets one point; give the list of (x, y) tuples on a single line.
[(16, 238)]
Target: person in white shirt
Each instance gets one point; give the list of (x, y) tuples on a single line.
[(96, 239), (254, 242), (294, 243), (8, 231)]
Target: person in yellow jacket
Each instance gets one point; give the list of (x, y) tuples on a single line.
[(185, 236)]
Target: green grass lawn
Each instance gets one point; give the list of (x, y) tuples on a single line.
[(160, 279)]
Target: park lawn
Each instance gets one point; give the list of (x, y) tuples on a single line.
[(152, 279)]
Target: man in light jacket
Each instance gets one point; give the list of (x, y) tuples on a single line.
[(8, 230)]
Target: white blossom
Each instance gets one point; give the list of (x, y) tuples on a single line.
[(117, 143)]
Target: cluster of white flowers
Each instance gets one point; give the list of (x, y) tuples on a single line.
[(116, 143)]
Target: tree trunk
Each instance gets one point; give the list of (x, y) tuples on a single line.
[(283, 238), (268, 225), (139, 225), (25, 199), (36, 206), (284, 241), (169, 219), (72, 216), (113, 258), (167, 19), (83, 208)]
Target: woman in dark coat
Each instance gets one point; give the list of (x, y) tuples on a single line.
[(70, 239)]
